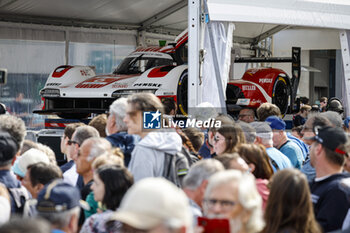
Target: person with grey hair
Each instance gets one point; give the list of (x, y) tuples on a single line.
[(116, 129), (79, 136), (232, 195), (249, 131), (89, 150), (59, 204), (15, 127), (334, 118), (264, 136), (195, 183)]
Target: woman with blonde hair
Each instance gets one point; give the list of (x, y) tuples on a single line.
[(289, 208)]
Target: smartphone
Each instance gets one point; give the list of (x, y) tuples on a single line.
[(214, 225)]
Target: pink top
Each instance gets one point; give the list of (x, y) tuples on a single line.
[(261, 185)]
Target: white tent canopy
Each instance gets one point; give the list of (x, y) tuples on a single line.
[(277, 14), (310, 13)]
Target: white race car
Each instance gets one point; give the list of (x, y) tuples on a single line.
[(76, 91)]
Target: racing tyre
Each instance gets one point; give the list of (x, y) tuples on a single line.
[(182, 95), (281, 94)]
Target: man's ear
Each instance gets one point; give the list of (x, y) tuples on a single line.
[(319, 149), (203, 186)]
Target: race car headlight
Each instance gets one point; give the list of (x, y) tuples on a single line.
[(121, 93), (49, 92)]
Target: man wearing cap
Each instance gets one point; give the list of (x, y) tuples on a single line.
[(148, 208), (308, 132), (59, 203), (330, 189), (281, 141), (264, 137)]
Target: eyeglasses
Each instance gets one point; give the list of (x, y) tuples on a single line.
[(216, 139), (224, 204), (70, 142)]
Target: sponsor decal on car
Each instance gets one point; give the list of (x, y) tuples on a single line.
[(243, 101), (53, 84), (120, 85), (248, 88), (85, 72), (265, 80), (147, 85)]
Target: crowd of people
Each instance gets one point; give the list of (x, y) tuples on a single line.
[(244, 176)]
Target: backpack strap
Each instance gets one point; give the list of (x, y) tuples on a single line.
[(274, 164), (19, 196)]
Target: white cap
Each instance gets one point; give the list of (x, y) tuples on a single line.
[(29, 157), (153, 201)]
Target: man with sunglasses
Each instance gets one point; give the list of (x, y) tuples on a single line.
[(79, 136), (330, 189), (308, 132)]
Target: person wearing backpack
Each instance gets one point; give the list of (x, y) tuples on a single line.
[(157, 154), (18, 194)]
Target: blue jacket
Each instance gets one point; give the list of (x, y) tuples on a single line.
[(125, 142)]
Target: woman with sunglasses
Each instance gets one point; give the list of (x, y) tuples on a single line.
[(227, 138), (110, 184)]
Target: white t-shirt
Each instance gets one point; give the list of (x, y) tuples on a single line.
[(71, 176)]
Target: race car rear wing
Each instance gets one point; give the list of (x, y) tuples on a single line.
[(296, 66)]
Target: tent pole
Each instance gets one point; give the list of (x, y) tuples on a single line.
[(344, 43), (194, 98)]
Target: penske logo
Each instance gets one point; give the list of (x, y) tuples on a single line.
[(265, 80)]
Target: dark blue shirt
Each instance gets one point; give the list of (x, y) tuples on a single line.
[(125, 142), (67, 166), (10, 181)]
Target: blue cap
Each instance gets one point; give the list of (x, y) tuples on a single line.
[(346, 122), (15, 168), (276, 123), (58, 196)]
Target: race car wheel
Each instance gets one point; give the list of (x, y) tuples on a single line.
[(73, 115), (281, 94), (182, 95)]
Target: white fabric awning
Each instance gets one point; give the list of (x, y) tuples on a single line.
[(310, 13)]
